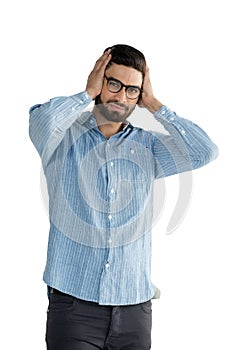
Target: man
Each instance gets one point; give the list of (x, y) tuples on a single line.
[(100, 171)]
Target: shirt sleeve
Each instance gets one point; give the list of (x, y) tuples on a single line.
[(185, 147), (48, 122)]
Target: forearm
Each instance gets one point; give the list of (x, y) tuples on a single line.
[(154, 105), (191, 141)]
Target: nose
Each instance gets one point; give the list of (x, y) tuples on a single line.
[(121, 95)]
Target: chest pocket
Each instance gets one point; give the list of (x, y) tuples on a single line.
[(136, 163)]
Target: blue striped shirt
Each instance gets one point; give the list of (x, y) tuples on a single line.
[(101, 196)]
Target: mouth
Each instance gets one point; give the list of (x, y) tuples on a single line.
[(117, 107)]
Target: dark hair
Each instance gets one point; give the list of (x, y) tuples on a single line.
[(127, 56)]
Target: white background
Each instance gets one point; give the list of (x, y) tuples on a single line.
[(48, 49)]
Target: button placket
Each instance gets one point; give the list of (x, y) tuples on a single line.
[(109, 166)]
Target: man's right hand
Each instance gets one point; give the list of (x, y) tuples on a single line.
[(96, 77)]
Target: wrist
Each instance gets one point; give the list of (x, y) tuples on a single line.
[(154, 105), (91, 93)]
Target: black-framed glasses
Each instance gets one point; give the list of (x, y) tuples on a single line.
[(114, 85)]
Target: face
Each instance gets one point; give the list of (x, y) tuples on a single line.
[(117, 107)]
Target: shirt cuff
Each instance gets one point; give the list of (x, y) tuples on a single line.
[(82, 98), (164, 113)]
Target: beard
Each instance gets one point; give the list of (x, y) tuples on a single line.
[(114, 115)]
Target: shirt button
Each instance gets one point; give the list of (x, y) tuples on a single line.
[(111, 164), (112, 191), (163, 112), (110, 241), (107, 265), (110, 217), (73, 109), (132, 151), (172, 118), (108, 144), (183, 132), (91, 121)]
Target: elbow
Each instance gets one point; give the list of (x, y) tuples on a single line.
[(214, 152), (205, 157), (211, 154)]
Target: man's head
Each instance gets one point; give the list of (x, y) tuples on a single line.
[(127, 56), (122, 83)]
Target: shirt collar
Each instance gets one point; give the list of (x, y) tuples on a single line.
[(89, 118)]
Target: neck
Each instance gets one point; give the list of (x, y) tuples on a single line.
[(106, 127)]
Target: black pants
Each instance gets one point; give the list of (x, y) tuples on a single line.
[(74, 324)]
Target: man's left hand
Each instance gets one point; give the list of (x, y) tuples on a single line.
[(147, 99)]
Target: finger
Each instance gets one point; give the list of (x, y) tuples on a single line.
[(103, 56), (104, 59), (103, 63), (147, 72), (146, 79)]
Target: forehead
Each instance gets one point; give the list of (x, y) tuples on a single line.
[(127, 75)]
